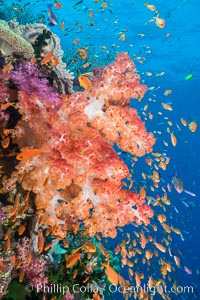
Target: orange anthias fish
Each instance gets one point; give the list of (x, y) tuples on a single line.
[(82, 53), (21, 275), (150, 7), (72, 259), (57, 5), (183, 121), (112, 275), (192, 126), (167, 106), (47, 58), (104, 5), (122, 37), (62, 26), (160, 23), (160, 247), (96, 296), (55, 61), (7, 67), (33, 60), (168, 92), (21, 229), (5, 142), (7, 105), (173, 139), (40, 241), (1, 264), (27, 154), (75, 41), (89, 246), (85, 82)]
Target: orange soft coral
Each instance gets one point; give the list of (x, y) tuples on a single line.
[(77, 176)]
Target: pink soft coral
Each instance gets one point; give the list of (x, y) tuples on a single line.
[(78, 176), (35, 269), (4, 96)]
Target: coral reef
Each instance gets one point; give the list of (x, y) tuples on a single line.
[(12, 42), (80, 174), (62, 182)]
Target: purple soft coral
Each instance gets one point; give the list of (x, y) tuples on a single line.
[(27, 79)]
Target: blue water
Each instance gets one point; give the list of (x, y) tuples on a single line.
[(177, 56)]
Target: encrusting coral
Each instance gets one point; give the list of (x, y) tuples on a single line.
[(12, 42)]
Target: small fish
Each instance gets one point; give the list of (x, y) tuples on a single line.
[(187, 270), (137, 279), (184, 203), (7, 234), (150, 7), (82, 53), (21, 275), (122, 37), (177, 183), (160, 74), (5, 142), (55, 61), (86, 280), (72, 259), (86, 65), (112, 275), (26, 4), (192, 126), (62, 26), (33, 60), (40, 241), (51, 17), (75, 41), (57, 5), (173, 139), (7, 244), (183, 121), (77, 3), (104, 5), (167, 106), (27, 154), (29, 258), (21, 229), (177, 261), (188, 77), (168, 92), (160, 23), (85, 82), (160, 247), (141, 34), (47, 58), (91, 15), (96, 296), (1, 264), (190, 193), (47, 246)]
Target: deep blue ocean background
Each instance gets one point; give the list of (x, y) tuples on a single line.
[(177, 56)]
